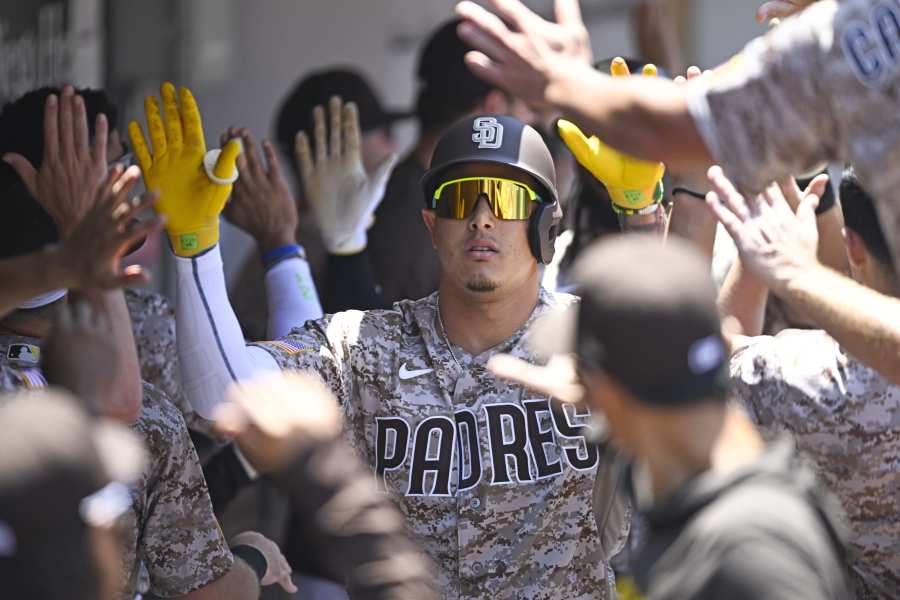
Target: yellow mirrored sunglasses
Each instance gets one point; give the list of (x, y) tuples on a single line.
[(508, 199)]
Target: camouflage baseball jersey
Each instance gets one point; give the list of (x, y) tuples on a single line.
[(495, 481), (173, 537), (153, 325), (823, 85), (845, 418)]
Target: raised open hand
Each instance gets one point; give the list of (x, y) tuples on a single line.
[(261, 202), (72, 168), (342, 195), (193, 184), (523, 56)]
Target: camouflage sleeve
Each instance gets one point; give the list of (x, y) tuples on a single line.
[(768, 112), (757, 381), (322, 347), (181, 544)]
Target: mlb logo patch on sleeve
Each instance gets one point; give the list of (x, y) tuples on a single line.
[(288, 347), (24, 353)]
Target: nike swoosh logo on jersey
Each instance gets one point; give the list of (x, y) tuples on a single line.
[(405, 374)]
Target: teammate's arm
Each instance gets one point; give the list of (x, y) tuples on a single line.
[(548, 64), (72, 179), (779, 247), (262, 205)]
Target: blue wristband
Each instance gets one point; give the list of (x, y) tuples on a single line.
[(280, 252)]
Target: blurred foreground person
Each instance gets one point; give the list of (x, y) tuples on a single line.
[(727, 517), (63, 485), (350, 525)]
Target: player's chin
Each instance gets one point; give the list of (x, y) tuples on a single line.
[(482, 284)]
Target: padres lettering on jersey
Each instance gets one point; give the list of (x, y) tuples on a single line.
[(495, 483), (516, 437)]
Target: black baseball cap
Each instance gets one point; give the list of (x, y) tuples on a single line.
[(447, 87), (648, 318), (316, 89), (60, 472)]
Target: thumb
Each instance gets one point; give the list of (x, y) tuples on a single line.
[(226, 164), (25, 170), (576, 141), (806, 211)]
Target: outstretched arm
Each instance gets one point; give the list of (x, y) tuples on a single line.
[(193, 186)]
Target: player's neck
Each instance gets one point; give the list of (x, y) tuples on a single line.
[(478, 321)]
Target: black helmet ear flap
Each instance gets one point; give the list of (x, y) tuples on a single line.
[(543, 226)]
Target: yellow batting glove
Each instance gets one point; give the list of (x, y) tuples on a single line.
[(633, 184), (193, 184)]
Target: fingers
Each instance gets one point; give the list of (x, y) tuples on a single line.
[(568, 13), (334, 109), (727, 194), (728, 219), (351, 132), (817, 185), (226, 163), (66, 135), (173, 117), (619, 68), (143, 230), (191, 123), (304, 158), (271, 161), (51, 128), (477, 19), (155, 126), (574, 139), (649, 70), (251, 157), (141, 152), (513, 11), (485, 68), (124, 184), (481, 39), (25, 170), (230, 420), (101, 135), (80, 136), (319, 133), (135, 206)]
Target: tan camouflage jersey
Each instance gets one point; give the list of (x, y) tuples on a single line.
[(845, 419), (495, 484), (824, 85), (153, 325), (173, 536)]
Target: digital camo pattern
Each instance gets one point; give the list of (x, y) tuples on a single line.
[(824, 85), (496, 485), (845, 418), (171, 533), (153, 325), (177, 537)]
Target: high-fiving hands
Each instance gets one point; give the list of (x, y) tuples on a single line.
[(193, 184), (524, 58), (775, 242), (342, 195), (633, 184), (73, 168), (261, 202)]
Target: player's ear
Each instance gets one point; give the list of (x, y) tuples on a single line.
[(429, 217)]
